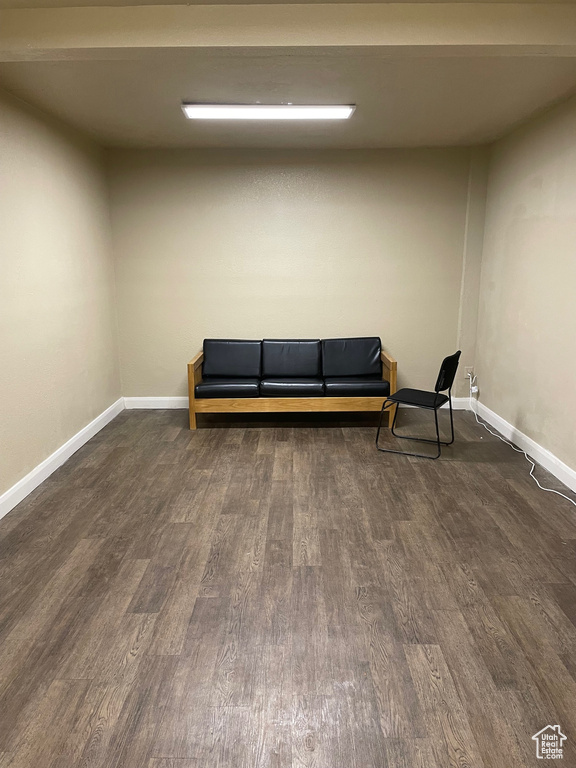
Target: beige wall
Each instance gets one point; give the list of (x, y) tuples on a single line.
[(526, 343), (270, 244), (58, 354)]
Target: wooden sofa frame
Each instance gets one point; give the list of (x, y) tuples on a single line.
[(284, 404)]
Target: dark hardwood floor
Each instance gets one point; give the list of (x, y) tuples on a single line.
[(282, 597)]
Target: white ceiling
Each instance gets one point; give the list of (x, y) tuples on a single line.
[(421, 74), (401, 102)]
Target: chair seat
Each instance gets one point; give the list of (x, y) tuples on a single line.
[(224, 387), (292, 387), (418, 397), (356, 386)]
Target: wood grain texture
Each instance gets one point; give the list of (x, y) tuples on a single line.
[(285, 596), (194, 377), (390, 374), (286, 404)]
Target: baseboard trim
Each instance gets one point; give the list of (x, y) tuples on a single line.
[(32, 480), (155, 402), (458, 403), (540, 455)]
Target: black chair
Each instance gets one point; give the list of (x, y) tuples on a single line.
[(431, 401)]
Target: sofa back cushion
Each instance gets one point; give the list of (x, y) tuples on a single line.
[(290, 357), (352, 357), (232, 358)]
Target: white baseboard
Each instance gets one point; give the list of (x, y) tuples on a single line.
[(540, 455), (458, 403), (18, 492), (155, 402)]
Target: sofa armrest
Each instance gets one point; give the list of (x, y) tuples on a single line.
[(194, 377), (196, 361), (389, 370)]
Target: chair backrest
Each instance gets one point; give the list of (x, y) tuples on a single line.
[(447, 372)]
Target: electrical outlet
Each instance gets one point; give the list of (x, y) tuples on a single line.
[(468, 371)]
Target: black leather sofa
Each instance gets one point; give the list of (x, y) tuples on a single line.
[(273, 375)]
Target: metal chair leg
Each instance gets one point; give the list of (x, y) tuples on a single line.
[(436, 442), (424, 439), (384, 406), (451, 418)]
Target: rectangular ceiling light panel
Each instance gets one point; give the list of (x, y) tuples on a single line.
[(266, 112)]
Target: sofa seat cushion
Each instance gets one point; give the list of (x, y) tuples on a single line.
[(351, 357), (302, 387), (227, 387), (356, 386)]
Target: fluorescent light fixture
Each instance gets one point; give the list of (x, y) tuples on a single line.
[(266, 112)]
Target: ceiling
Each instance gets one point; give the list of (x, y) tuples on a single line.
[(423, 74), (401, 102), (86, 3)]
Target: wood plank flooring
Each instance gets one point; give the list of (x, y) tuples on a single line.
[(267, 595)]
